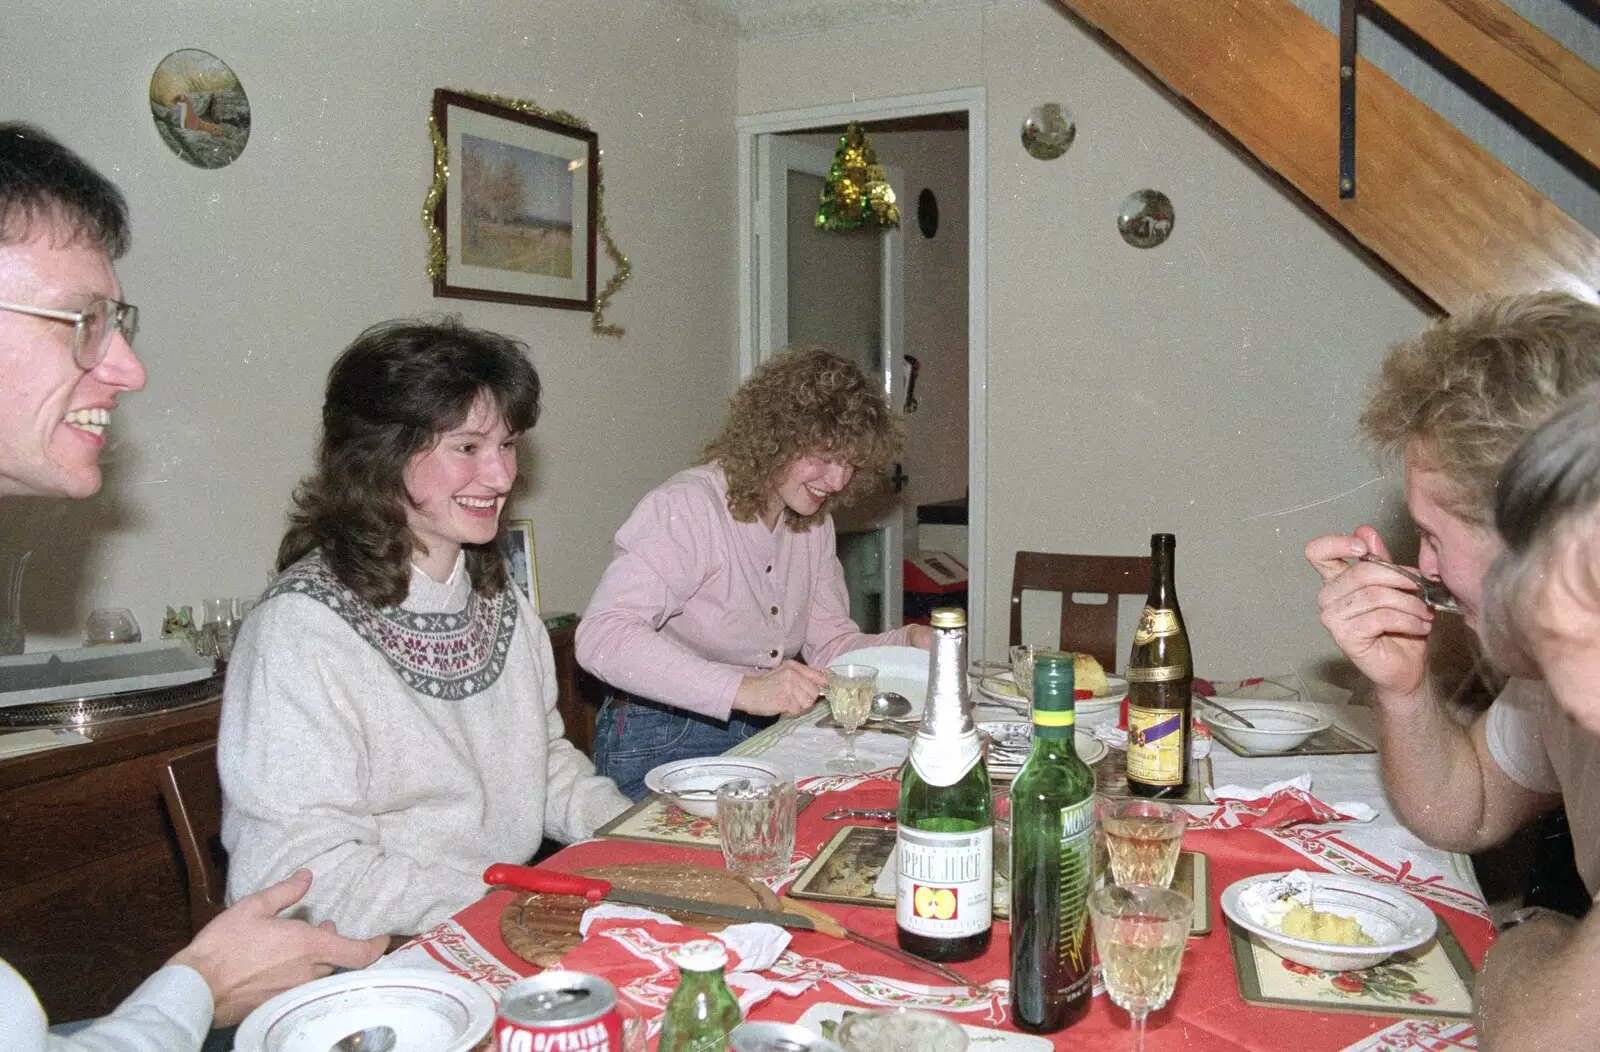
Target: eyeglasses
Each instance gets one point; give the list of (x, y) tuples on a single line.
[(91, 327)]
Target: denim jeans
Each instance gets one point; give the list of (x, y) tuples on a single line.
[(632, 735)]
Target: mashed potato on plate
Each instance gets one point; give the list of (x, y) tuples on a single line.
[(1303, 922)]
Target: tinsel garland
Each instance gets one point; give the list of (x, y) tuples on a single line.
[(441, 172), (857, 192)]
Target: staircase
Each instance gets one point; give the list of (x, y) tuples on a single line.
[(1429, 204)]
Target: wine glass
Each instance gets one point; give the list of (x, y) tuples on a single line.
[(1022, 659), (1140, 931), (218, 625), (850, 690)]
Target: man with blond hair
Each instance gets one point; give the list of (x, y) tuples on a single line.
[(1453, 404)]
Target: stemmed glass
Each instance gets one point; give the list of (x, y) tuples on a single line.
[(1022, 659), (1140, 932), (221, 621), (850, 690)]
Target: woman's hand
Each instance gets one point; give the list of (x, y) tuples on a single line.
[(920, 636), (789, 689)]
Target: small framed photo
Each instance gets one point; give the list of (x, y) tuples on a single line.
[(519, 208), (516, 544)]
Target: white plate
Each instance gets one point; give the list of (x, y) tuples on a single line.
[(1002, 687), (1392, 919), (430, 1012), (1278, 727), (1017, 738), (903, 670), (699, 776)]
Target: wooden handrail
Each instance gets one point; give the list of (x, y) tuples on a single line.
[(1550, 85), (1440, 210)]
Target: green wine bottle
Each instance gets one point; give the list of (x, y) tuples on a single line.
[(945, 837), (1160, 677), (1052, 827), (702, 1011)]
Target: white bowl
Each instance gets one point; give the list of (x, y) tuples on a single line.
[(692, 784), (1278, 727), (1392, 919), (427, 1009)]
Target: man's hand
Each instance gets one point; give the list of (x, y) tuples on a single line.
[(1372, 612), (789, 689), (249, 954), (920, 636)]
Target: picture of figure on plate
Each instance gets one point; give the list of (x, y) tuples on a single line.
[(200, 108)]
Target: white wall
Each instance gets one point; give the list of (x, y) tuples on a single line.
[(250, 279), (1208, 387)]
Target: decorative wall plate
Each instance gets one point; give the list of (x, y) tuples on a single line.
[(1048, 131), (1146, 218), (200, 108)]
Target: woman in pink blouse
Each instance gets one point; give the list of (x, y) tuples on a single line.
[(727, 571)]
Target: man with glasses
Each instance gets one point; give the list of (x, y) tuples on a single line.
[(66, 353)]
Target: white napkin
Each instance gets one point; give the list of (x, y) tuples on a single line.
[(758, 945), (1358, 812)]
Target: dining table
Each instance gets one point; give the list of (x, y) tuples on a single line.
[(818, 977)]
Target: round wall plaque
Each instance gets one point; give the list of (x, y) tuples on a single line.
[(200, 108), (1146, 218), (1048, 131)]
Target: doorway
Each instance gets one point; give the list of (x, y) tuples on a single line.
[(880, 298)]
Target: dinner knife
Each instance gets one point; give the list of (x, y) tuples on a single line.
[(793, 915)]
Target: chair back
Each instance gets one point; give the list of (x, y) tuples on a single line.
[(193, 792), (1088, 627)]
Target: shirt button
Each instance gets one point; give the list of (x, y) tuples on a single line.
[(774, 610), (772, 653), (769, 569)]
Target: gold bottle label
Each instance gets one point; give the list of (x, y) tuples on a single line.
[(1159, 674), (1155, 745), (1154, 624)]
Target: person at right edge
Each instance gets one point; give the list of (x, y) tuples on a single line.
[(1454, 403), (1542, 619)]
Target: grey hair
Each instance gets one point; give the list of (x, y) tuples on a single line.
[(1547, 507)]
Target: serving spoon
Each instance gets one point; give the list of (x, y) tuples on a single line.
[(1226, 711), (371, 1039)]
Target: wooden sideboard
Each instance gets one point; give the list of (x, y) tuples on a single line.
[(93, 896)]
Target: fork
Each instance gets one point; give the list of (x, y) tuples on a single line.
[(1430, 590)]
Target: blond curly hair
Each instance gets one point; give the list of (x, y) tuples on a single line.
[(804, 401), (1462, 394)]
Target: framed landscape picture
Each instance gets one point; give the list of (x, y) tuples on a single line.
[(516, 544), (518, 212)]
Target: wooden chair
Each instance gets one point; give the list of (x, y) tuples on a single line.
[(193, 792), (1087, 627)]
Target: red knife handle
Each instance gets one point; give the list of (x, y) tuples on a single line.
[(548, 880)]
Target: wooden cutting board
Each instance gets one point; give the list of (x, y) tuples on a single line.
[(540, 927)]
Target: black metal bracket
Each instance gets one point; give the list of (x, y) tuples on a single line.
[(1347, 97)]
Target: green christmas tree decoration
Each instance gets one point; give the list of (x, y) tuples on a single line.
[(857, 192)]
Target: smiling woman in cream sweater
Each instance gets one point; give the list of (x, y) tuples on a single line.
[(390, 720)]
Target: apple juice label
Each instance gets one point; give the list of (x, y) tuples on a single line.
[(1155, 745), (945, 882)]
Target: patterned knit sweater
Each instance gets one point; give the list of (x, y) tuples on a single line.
[(394, 752)]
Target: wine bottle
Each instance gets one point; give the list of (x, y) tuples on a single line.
[(945, 835), (1160, 674), (1052, 833)]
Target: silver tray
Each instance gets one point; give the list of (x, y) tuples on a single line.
[(108, 708)]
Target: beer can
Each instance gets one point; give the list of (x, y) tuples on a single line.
[(777, 1037), (559, 1012)]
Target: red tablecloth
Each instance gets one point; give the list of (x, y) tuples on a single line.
[(1206, 1012)]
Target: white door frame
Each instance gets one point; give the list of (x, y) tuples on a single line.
[(971, 100)]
